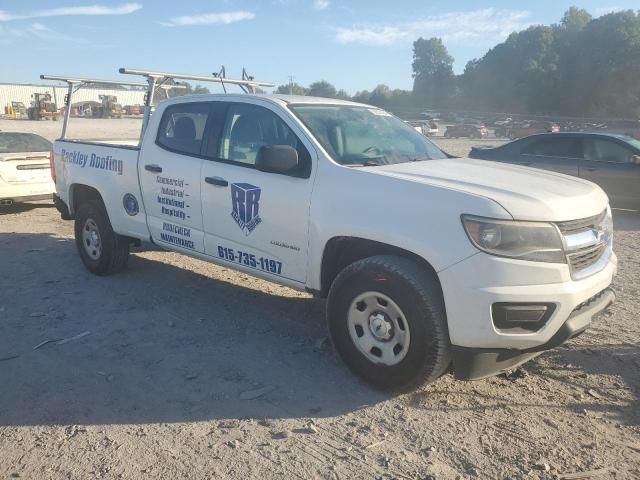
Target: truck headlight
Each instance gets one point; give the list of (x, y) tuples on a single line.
[(533, 241)]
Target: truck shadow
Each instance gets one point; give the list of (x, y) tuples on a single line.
[(582, 383), (165, 343), (172, 339), (17, 208)]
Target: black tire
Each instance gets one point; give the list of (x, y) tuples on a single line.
[(114, 248), (417, 292)]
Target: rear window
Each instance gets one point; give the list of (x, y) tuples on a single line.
[(23, 142)]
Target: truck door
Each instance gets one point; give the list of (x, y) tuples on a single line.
[(253, 219), (610, 164), (169, 168)]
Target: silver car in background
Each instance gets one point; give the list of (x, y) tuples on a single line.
[(609, 160)]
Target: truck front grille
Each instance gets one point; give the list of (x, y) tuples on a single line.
[(585, 257), (587, 243), (582, 225)]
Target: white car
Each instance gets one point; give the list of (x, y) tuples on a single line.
[(25, 168), (425, 260)]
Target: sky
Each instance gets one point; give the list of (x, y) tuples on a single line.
[(354, 44)]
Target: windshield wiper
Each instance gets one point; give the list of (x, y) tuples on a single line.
[(369, 162)]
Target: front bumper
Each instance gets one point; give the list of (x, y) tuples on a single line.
[(477, 363), (472, 286)]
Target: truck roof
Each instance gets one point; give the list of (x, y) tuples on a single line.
[(274, 97)]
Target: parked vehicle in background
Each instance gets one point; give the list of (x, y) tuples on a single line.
[(630, 128), (19, 110), (525, 129), (430, 115), (25, 169), (424, 127), (431, 128), (503, 122), (612, 161), (42, 107), (417, 125), (133, 109), (346, 201), (466, 130)]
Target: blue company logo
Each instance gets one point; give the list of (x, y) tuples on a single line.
[(245, 199), (130, 204)]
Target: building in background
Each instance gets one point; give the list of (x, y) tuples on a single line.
[(20, 92)]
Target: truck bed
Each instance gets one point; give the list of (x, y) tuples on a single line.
[(110, 168)]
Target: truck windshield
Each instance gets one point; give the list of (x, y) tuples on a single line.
[(365, 136)]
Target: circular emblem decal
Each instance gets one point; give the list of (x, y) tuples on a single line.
[(130, 204)]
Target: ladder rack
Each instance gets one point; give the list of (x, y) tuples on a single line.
[(159, 79), (155, 81), (74, 84)]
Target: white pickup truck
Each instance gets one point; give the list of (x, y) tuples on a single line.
[(428, 262)]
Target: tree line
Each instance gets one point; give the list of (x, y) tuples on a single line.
[(581, 66)]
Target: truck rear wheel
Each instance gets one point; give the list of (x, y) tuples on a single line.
[(102, 250), (387, 320)]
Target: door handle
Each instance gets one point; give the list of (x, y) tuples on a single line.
[(153, 168), (217, 181)]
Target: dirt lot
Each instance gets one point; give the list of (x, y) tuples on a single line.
[(180, 369)]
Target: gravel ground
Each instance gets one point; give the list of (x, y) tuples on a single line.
[(177, 368)]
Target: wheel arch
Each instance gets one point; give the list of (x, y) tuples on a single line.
[(341, 251), (80, 193)]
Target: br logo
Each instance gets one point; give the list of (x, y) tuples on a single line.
[(245, 199)]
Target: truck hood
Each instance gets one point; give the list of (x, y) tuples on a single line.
[(526, 193)]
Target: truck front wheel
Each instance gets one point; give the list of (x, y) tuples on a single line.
[(387, 320), (102, 251)]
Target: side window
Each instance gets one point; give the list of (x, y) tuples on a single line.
[(555, 147), (182, 127), (249, 127), (606, 151)]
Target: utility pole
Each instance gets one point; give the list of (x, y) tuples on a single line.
[(291, 78)]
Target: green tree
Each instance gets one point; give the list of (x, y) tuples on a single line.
[(575, 19), (434, 81), (199, 90), (580, 66), (322, 88), (293, 89)]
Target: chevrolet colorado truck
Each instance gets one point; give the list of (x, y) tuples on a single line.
[(428, 262)]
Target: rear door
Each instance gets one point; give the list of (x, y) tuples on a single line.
[(169, 169), (559, 154), (609, 163), (256, 220)]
